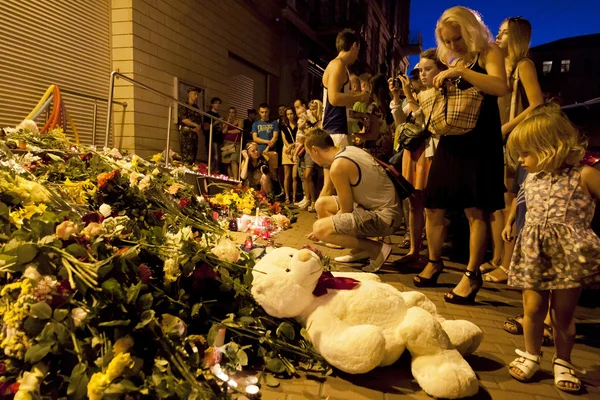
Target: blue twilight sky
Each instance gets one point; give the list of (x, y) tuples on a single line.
[(551, 19)]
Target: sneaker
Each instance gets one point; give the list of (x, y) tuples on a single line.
[(348, 258), (301, 202), (384, 253)]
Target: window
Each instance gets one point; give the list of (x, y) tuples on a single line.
[(547, 67), (565, 65)]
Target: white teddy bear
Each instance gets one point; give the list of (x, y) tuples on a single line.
[(357, 323)]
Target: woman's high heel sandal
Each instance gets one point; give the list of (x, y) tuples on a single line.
[(453, 298), (421, 282)]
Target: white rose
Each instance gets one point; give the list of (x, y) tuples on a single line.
[(144, 183), (226, 250), (172, 270), (66, 229), (105, 210), (79, 315), (133, 179), (32, 273)]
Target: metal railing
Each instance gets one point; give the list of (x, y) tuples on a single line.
[(172, 99), (95, 112)]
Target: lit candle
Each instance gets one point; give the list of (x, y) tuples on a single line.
[(252, 389)]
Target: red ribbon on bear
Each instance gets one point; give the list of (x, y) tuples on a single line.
[(328, 281)]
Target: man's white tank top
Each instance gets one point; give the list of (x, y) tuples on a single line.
[(374, 190)]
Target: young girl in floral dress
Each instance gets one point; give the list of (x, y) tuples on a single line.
[(556, 253)]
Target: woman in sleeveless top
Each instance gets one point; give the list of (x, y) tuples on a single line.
[(467, 170), (525, 94)]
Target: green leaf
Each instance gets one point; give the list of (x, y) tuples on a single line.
[(242, 357), (133, 292), (60, 314), (4, 211), (145, 301), (286, 331), (304, 334), (38, 351), (145, 319), (113, 288), (33, 326), (26, 253), (77, 250), (78, 383), (41, 310), (125, 386), (271, 381), (125, 322), (212, 333), (196, 309), (274, 365)]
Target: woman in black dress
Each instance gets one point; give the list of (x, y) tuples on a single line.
[(467, 171)]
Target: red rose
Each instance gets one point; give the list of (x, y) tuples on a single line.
[(183, 203)]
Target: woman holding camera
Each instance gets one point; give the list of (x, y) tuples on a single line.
[(467, 171), (416, 164), (255, 169)]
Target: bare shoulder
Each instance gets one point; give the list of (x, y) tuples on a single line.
[(492, 51), (342, 166), (589, 173)]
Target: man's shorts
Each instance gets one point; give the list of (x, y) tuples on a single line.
[(339, 139), (361, 223)]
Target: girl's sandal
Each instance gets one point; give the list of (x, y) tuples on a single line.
[(565, 372), (528, 364)]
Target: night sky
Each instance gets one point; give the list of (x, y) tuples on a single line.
[(551, 19)]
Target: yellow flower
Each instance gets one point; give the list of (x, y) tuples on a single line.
[(123, 344), (95, 389), (26, 213), (135, 159), (173, 189), (117, 365), (157, 157)]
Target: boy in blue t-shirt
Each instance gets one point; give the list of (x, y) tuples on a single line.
[(265, 133)]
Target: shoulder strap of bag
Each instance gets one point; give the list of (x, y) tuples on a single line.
[(430, 114), (515, 90)]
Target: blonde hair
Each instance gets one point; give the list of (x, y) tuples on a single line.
[(519, 38), (476, 34), (319, 113), (549, 135)]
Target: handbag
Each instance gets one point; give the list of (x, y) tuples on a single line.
[(411, 136), (454, 111), (403, 187)]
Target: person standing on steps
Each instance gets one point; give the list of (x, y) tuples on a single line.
[(338, 96), (190, 126)]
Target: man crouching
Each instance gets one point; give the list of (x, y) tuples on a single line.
[(366, 204)]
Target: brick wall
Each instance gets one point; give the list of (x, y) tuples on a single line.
[(155, 41)]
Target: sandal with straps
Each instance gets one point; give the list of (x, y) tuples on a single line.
[(422, 282), (454, 298), (528, 364), (564, 371)]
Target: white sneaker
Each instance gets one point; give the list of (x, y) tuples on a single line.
[(348, 258), (302, 202), (384, 253)]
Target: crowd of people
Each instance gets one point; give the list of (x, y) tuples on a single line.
[(539, 227)]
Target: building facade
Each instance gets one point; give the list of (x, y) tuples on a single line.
[(243, 51), (567, 68)]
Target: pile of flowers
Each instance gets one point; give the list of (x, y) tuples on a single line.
[(116, 281)]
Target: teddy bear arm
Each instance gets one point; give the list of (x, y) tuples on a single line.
[(437, 366), (353, 349)]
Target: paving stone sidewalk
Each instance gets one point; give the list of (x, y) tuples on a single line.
[(495, 302)]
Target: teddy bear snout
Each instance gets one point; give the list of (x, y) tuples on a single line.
[(304, 255)]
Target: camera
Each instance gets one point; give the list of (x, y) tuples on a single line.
[(396, 82)]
